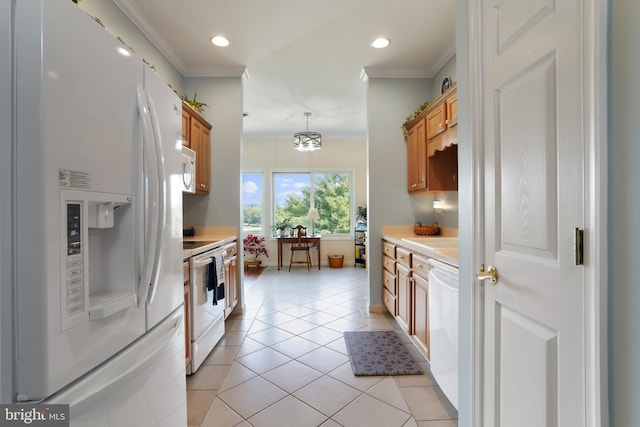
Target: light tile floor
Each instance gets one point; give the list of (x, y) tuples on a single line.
[(283, 362)]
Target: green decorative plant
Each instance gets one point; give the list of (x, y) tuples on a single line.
[(412, 116), (281, 226), (194, 103)]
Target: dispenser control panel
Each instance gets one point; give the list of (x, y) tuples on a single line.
[(74, 269)]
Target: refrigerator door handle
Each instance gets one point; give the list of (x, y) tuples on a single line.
[(162, 189), (148, 210)]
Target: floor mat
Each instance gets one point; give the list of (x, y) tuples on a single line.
[(379, 353)]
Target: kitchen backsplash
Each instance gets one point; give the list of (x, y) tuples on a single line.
[(424, 212)]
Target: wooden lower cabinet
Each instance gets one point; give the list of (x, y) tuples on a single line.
[(421, 313), (403, 316), (230, 284), (405, 292), (187, 311)]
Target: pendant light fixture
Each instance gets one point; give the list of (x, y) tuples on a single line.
[(307, 141)]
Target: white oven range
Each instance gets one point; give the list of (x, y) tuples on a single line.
[(207, 317)]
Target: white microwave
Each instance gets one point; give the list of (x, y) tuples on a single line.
[(188, 170)]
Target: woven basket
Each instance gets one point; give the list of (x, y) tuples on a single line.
[(426, 230), (335, 261)]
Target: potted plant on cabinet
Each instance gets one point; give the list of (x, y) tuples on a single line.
[(254, 246), (280, 227)]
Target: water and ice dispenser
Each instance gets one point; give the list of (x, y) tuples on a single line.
[(99, 263)]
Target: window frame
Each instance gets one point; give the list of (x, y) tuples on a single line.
[(316, 171), (265, 176)]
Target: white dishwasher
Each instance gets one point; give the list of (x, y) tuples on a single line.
[(443, 327)]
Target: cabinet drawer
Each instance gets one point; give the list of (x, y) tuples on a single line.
[(389, 249), (389, 281), (389, 301), (420, 266), (403, 257), (389, 264)]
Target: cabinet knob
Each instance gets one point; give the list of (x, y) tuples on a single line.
[(202, 185)]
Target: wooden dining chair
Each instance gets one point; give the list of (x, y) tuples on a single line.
[(300, 244)]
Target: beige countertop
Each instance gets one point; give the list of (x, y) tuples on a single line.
[(218, 235), (445, 249)]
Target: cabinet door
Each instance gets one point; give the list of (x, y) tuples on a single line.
[(200, 142), (403, 316), (452, 110), (436, 121), (417, 157), (186, 128), (421, 314), (233, 282), (230, 285)]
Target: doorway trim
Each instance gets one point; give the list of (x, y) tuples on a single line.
[(595, 20)]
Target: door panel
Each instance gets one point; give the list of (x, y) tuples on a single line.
[(526, 151), (534, 317), (529, 354)]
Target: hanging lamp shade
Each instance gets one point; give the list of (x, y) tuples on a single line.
[(307, 141)]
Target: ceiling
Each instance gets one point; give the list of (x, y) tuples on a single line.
[(300, 55)]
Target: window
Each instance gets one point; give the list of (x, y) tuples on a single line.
[(330, 192), (252, 211)]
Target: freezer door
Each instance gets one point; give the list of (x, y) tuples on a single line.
[(144, 385)]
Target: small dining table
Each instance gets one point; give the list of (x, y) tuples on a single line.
[(314, 241)]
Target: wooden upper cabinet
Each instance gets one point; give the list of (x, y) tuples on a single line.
[(436, 121), (196, 131), (452, 110), (417, 157), (432, 153), (186, 127)]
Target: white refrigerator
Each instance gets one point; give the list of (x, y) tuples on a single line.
[(98, 287)]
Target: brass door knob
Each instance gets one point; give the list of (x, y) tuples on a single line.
[(491, 274)]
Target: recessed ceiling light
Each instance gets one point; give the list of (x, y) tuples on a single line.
[(380, 43), (220, 41), (124, 52)]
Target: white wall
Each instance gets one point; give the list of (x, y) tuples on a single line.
[(624, 213), (6, 252), (267, 156), (389, 102), (221, 207), (119, 25)]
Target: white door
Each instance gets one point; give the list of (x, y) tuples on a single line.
[(533, 137)]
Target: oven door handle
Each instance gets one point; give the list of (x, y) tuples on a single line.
[(198, 264)]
